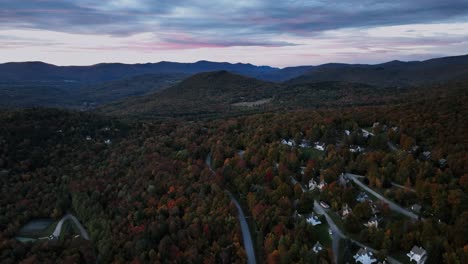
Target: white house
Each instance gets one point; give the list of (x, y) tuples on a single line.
[(319, 146), (347, 132), (364, 256), (322, 184), (313, 220), (345, 211), (355, 149), (312, 184), (88, 138), (418, 254), (373, 222), (362, 197), (317, 247), (288, 142), (107, 141)]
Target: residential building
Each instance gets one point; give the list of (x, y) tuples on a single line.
[(364, 256), (417, 254)]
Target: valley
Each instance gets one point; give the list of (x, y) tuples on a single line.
[(219, 167)]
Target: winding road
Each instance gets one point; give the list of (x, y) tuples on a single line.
[(247, 238), (395, 207), (68, 216)]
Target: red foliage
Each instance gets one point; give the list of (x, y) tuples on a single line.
[(269, 175)]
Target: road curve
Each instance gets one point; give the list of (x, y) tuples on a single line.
[(68, 216), (395, 207), (246, 237), (338, 234)]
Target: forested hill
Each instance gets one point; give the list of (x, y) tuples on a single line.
[(393, 73), (222, 94), (202, 95)]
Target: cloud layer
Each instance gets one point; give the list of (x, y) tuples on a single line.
[(408, 29)]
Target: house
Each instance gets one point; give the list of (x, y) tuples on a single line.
[(418, 254), (374, 208), (416, 208), (345, 211), (317, 247), (427, 154), (442, 163), (362, 197), (88, 138), (319, 146), (288, 142), (347, 132), (312, 185), (107, 141), (373, 222), (304, 144), (366, 133), (355, 149), (322, 184), (364, 256), (313, 220), (343, 180)]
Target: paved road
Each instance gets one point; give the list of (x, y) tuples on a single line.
[(69, 216), (246, 237), (393, 184), (338, 234), (395, 207)]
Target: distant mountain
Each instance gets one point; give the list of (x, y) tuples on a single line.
[(40, 72), (30, 94), (203, 94), (394, 73)]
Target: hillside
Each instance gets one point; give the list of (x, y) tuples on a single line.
[(394, 73), (31, 94), (221, 94), (203, 94)]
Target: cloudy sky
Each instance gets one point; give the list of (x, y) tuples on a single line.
[(262, 32)]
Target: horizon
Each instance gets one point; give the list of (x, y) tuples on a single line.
[(233, 63), (291, 33)]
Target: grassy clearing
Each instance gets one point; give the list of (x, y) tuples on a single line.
[(311, 153), (39, 233), (321, 233)]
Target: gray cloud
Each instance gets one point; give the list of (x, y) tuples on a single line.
[(228, 23)]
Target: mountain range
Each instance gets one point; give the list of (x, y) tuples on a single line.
[(209, 88)]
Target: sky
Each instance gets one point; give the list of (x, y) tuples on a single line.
[(262, 32)]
